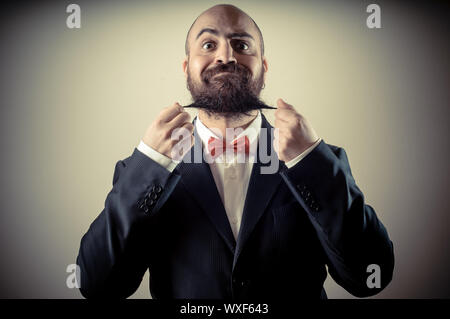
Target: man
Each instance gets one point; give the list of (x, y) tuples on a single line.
[(222, 228)]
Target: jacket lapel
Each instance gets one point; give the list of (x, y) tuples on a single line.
[(260, 189), (199, 182)]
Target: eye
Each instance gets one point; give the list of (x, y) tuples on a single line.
[(208, 45), (241, 46)]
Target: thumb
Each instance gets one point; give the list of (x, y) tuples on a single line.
[(177, 105), (283, 105)]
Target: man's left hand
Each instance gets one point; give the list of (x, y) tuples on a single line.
[(294, 134)]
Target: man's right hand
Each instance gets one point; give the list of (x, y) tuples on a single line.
[(159, 134)]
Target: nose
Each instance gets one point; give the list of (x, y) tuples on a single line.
[(225, 54)]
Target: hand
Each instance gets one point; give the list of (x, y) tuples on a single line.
[(159, 134), (295, 134)]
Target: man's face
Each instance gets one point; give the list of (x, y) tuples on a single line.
[(225, 67)]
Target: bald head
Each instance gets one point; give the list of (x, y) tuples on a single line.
[(223, 13)]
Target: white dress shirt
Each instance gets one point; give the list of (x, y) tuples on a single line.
[(230, 173)]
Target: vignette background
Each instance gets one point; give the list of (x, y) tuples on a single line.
[(74, 102)]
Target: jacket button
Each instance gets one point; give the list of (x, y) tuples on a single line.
[(158, 189), (154, 196)]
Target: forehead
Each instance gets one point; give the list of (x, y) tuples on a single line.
[(225, 21)]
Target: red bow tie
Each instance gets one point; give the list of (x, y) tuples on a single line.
[(217, 146)]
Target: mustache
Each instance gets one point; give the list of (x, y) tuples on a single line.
[(232, 68)]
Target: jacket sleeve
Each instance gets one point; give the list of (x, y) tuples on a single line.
[(352, 236), (113, 254)]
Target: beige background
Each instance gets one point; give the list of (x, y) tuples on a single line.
[(73, 102)]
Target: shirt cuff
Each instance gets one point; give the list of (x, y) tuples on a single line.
[(297, 159), (159, 158)]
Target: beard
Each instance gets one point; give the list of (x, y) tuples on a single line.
[(227, 90)]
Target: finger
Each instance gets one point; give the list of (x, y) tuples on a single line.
[(276, 144), (181, 133), (284, 131), (280, 123), (283, 105), (277, 123), (276, 133), (179, 119), (170, 112), (285, 111), (286, 115), (189, 126)]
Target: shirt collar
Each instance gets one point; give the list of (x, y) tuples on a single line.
[(252, 131)]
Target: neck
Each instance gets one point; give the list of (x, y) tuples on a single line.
[(219, 124)]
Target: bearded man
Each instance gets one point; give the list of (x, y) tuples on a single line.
[(223, 229)]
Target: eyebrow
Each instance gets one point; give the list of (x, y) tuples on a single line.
[(229, 35)]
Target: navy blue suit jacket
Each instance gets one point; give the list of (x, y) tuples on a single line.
[(295, 222)]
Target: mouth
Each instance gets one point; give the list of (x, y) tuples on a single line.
[(221, 73)]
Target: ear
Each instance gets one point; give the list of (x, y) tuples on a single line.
[(184, 65), (264, 62), (265, 66)]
